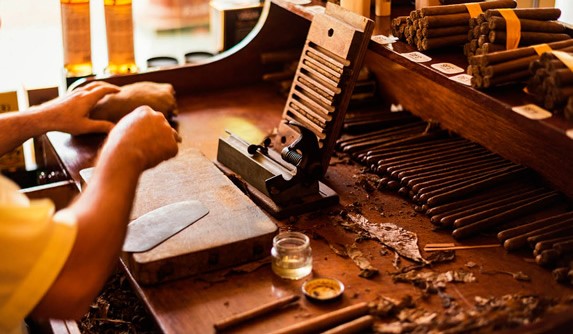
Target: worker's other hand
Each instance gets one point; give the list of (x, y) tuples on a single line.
[(70, 113), (145, 136), (159, 96)]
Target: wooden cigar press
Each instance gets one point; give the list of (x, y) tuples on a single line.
[(283, 173)]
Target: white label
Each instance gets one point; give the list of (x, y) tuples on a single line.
[(381, 39), (464, 78), (416, 57), (569, 133), (532, 111), (300, 2), (447, 68)]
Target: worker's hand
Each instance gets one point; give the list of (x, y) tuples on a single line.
[(70, 113), (143, 137), (159, 96)]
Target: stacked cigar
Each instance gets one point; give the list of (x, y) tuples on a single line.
[(460, 185), (442, 26), (552, 84), (509, 66)]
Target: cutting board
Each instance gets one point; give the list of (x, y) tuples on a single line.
[(235, 230)]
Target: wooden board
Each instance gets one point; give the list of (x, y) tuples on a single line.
[(234, 231)]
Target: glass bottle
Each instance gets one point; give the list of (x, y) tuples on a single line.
[(291, 255), (76, 35), (119, 32)]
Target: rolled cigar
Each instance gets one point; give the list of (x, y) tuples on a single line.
[(561, 77), (397, 149), (384, 132), (403, 151), (527, 37), (469, 202), (486, 48), (521, 240), (437, 166), (422, 149), (449, 20), (426, 179), (472, 187), (487, 209), (499, 23), (476, 227), (543, 14), (434, 167), (460, 174), (506, 55), (446, 31), (326, 321), (454, 9), (408, 140), (425, 194), (547, 258), (359, 325), (442, 41), (433, 156), (548, 244), (558, 232), (367, 143), (502, 208), (560, 274), (533, 226), (564, 247), (261, 310), (519, 64), (518, 76)]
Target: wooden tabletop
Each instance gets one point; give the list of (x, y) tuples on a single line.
[(193, 305)]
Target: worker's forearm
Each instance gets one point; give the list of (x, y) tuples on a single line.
[(102, 212), (18, 126)]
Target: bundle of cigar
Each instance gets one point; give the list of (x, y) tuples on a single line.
[(458, 184), (508, 66), (442, 26), (551, 83), (398, 27), (488, 31)]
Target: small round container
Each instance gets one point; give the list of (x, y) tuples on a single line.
[(323, 289), (291, 255)]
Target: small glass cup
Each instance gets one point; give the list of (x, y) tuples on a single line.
[(292, 255)]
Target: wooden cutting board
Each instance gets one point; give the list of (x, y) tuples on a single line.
[(234, 231)]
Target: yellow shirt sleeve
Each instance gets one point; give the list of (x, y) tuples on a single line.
[(34, 246)]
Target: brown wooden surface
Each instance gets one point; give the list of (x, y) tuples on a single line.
[(193, 305)]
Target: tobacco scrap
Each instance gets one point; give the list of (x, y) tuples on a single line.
[(367, 270), (400, 240), (432, 282), (486, 316)]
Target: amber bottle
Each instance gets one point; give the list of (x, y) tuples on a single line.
[(76, 35), (119, 32)]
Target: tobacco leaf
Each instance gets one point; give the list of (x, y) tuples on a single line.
[(367, 270), (400, 240)]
